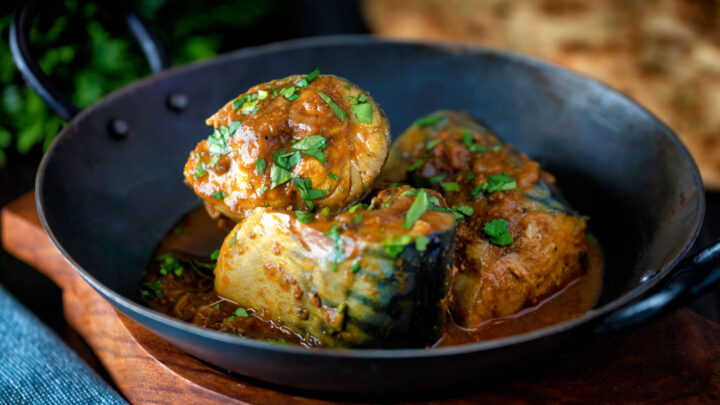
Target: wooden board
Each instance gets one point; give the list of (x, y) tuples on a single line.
[(676, 359)]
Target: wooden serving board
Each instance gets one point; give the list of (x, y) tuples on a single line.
[(673, 360)]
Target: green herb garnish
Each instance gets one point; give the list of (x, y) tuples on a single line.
[(232, 240), (220, 195), (467, 139), (477, 148), (305, 81), (307, 193), (214, 255), (428, 120), (450, 186), (497, 230), (416, 165), (421, 242), (363, 112), (278, 176), (334, 176), (325, 212), (419, 206), (394, 246), (152, 288), (241, 312), (289, 93), (497, 148), (339, 112), (495, 182), (358, 218), (355, 268), (200, 170), (470, 176), (433, 143), (234, 126), (218, 141), (304, 217), (334, 234), (260, 166), (437, 179), (313, 146), (263, 189)]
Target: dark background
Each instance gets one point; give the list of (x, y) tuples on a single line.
[(89, 53)]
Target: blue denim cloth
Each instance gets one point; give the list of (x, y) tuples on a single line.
[(37, 368)]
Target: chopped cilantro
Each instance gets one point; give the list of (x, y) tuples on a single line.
[(313, 146), (421, 242), (433, 143), (286, 160), (495, 182), (152, 288), (437, 179), (260, 166), (347, 87), (289, 93), (416, 165), (363, 112), (334, 176), (305, 81), (307, 193), (419, 206), (467, 138), (388, 203), (304, 217), (200, 170), (263, 189), (218, 141), (497, 148), (470, 176), (358, 218), (461, 211), (477, 148), (355, 207), (278, 176), (394, 246), (355, 268), (241, 312), (234, 127), (217, 307), (450, 186), (497, 230), (334, 234), (232, 240), (339, 112), (325, 212), (428, 120), (214, 255), (220, 195)]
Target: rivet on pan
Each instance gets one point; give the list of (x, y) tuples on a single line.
[(177, 101), (119, 128), (648, 275)]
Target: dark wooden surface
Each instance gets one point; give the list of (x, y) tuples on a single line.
[(673, 360)]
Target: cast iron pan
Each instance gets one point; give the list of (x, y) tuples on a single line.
[(111, 185)]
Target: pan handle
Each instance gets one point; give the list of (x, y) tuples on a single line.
[(41, 84), (690, 279)]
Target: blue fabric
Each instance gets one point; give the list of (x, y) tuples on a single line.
[(37, 368)]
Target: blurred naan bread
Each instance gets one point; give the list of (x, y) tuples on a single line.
[(663, 53)]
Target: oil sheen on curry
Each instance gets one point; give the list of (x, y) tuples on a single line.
[(316, 231)]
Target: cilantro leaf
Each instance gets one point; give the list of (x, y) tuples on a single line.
[(305, 81), (450, 186), (428, 120), (339, 112), (307, 193), (304, 217), (334, 234), (234, 127), (260, 166), (433, 143), (289, 93), (278, 176), (200, 170), (241, 312), (363, 112), (419, 206), (497, 230), (416, 165), (219, 195), (394, 246), (334, 176), (421, 242)]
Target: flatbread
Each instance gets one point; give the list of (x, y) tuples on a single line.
[(663, 53)]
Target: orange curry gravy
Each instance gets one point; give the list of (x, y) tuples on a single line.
[(191, 296)]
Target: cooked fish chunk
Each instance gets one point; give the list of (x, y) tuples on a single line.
[(520, 243), (373, 276), (306, 142)]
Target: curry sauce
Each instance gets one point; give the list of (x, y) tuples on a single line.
[(190, 296)]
